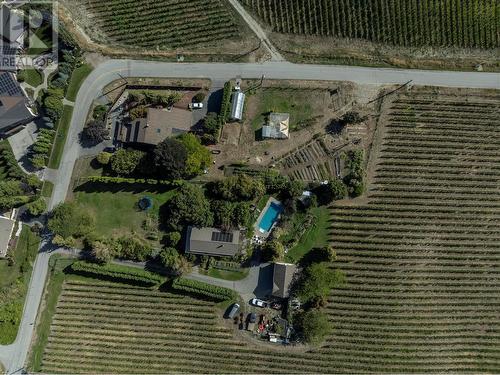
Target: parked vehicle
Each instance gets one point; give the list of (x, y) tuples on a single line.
[(258, 302), (234, 311), (195, 105)]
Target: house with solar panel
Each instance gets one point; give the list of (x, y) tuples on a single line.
[(212, 242), (14, 110)]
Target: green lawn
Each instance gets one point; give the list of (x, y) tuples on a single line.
[(33, 77), (226, 275), (47, 189), (117, 212), (298, 103), (315, 236), (60, 139), (14, 280), (77, 78)]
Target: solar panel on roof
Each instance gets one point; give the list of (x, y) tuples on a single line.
[(222, 237), (8, 86)]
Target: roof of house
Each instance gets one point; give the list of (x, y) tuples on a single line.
[(13, 110), (212, 241), (282, 278), (158, 125), (11, 25), (238, 102), (6, 227), (278, 126)]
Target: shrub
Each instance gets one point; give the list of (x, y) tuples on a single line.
[(124, 162), (36, 208), (118, 273), (70, 220), (332, 191), (197, 287), (199, 97), (104, 158), (173, 261), (198, 156), (226, 103), (273, 251), (317, 280), (95, 132), (132, 248), (313, 326), (355, 178)]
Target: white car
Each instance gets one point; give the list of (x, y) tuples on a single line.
[(258, 302), (195, 105)]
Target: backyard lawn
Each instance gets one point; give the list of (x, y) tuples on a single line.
[(298, 103), (315, 236), (116, 212), (14, 280)]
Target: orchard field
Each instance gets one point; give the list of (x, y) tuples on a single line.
[(163, 23), (409, 23), (422, 260)]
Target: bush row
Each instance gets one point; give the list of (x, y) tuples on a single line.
[(226, 103), (123, 180), (114, 272), (198, 287), (9, 161)]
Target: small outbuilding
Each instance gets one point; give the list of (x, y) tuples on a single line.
[(212, 242), (283, 274), (278, 126), (237, 105)]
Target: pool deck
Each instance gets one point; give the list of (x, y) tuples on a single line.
[(257, 229)]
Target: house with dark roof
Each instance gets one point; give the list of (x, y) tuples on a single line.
[(212, 242), (283, 274), (14, 111), (158, 124)]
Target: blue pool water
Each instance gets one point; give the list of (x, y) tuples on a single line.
[(270, 216)]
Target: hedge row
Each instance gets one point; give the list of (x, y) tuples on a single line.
[(123, 180), (115, 272), (226, 103), (201, 288), (9, 161)]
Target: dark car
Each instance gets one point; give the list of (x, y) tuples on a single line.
[(252, 317)]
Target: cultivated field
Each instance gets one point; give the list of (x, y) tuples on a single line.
[(422, 258), (444, 23), (160, 24), (422, 261)]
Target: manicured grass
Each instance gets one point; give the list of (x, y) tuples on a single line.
[(117, 212), (315, 236), (33, 77), (14, 280), (77, 78), (226, 275), (298, 103), (60, 139), (47, 189)]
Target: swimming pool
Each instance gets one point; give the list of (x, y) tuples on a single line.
[(270, 216)]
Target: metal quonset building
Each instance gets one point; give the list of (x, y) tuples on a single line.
[(238, 102)]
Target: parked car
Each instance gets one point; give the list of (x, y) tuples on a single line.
[(258, 302), (234, 310), (195, 105)]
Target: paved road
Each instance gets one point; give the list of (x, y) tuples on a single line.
[(14, 356)]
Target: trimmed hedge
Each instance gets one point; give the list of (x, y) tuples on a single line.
[(201, 288), (115, 272), (122, 180), (226, 103)]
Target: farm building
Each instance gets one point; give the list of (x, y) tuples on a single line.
[(6, 228), (237, 105), (158, 125), (282, 278), (14, 111), (212, 241), (278, 126)]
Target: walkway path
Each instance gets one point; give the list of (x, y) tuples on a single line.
[(14, 356)]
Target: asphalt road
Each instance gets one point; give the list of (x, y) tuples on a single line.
[(14, 356)]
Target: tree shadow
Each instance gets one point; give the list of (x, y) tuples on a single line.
[(136, 188)]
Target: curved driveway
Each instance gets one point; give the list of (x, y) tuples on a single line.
[(14, 356)]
